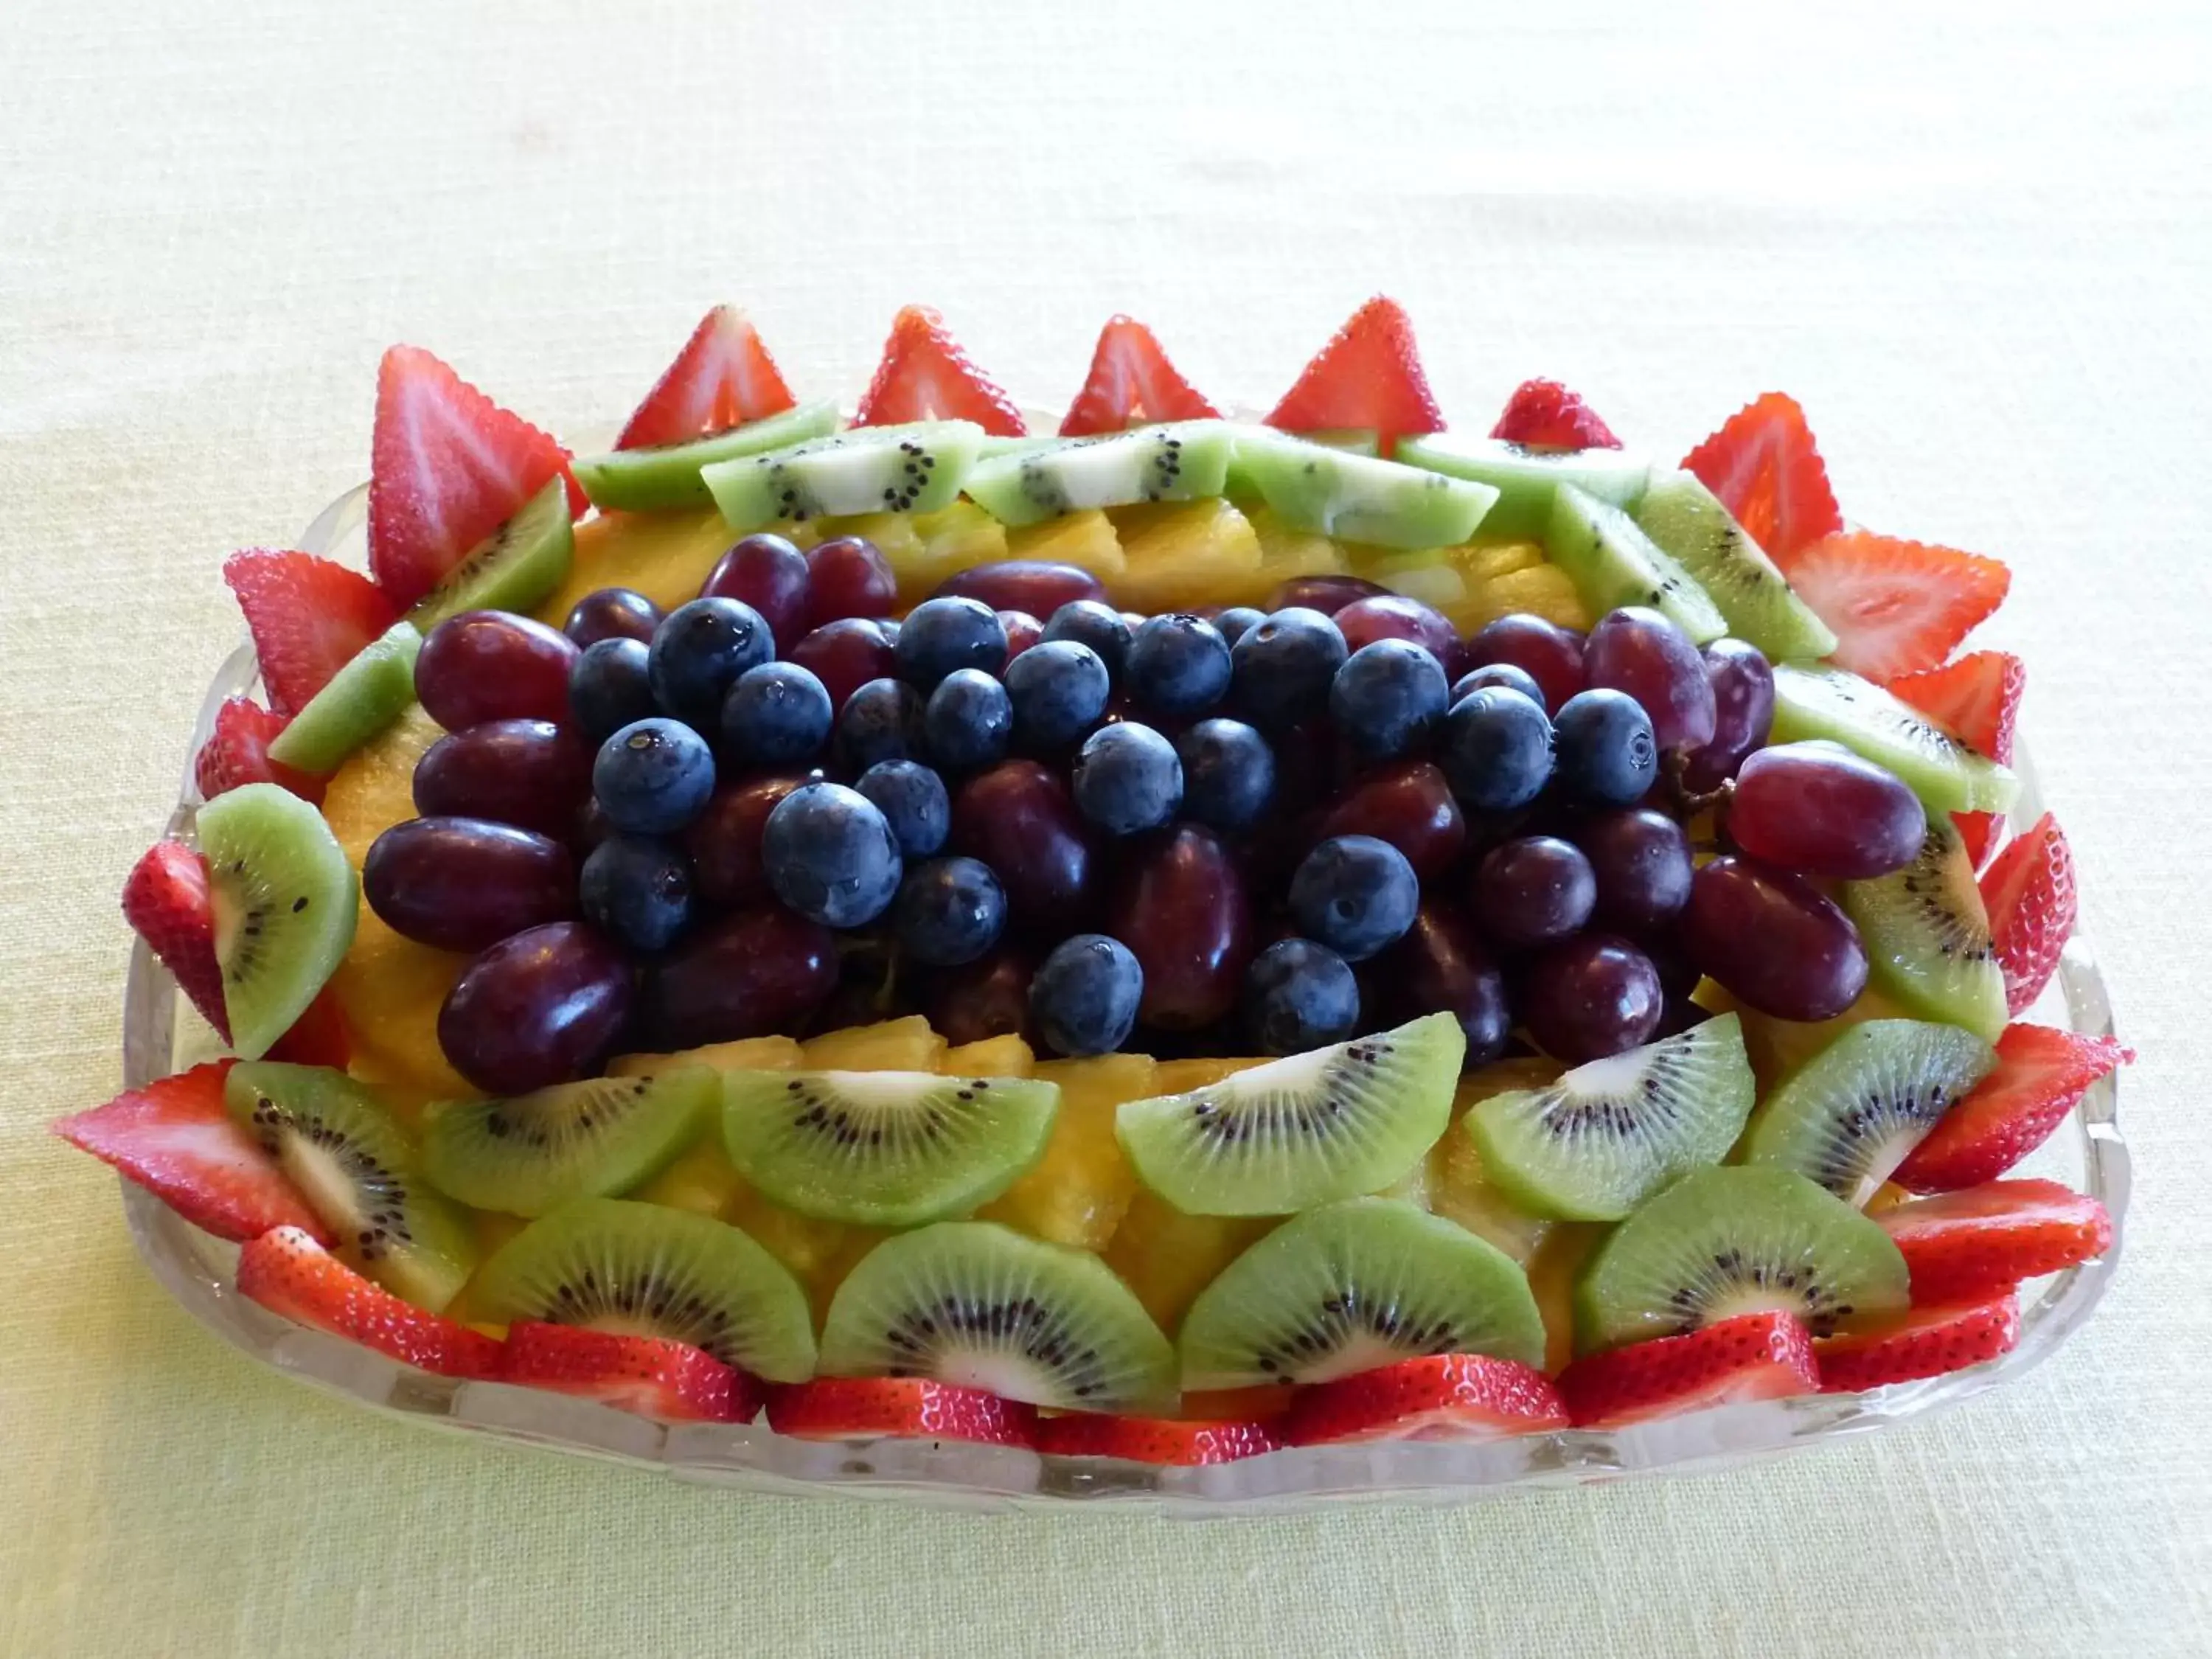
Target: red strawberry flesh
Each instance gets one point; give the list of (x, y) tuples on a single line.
[(1981, 1241), (1761, 1356), (1544, 415), (286, 1272), (1131, 381), (165, 900), (868, 1408), (1454, 1396), (1763, 466), (1926, 1342), (1368, 376), (309, 617), (2029, 894), (2041, 1076), (642, 1374), (723, 378), (236, 753), (1166, 1440), (1976, 698), (1897, 606), (926, 376)]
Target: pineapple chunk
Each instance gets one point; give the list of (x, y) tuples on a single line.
[(1778, 1047), (893, 533), (1541, 591), (960, 537), (998, 1056), (1286, 553), (767, 1053), (701, 1179), (666, 557), (818, 1253), (1483, 562), (375, 787), (894, 1045), (1086, 539), (1185, 554), (1551, 1275), (1167, 1257), (1081, 1188), (1179, 1076), (390, 989), (1458, 1190)]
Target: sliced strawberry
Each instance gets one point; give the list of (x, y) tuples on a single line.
[(447, 466), (309, 618), (1765, 468), (1896, 606), (640, 1374), (1369, 375), (1976, 698), (165, 900), (174, 1139), (2040, 1074), (2028, 891), (1976, 1242), (286, 1272), (1761, 1356), (723, 378), (1168, 1440), (926, 376), (869, 1407), (319, 1037), (237, 753), (1926, 1342), (1131, 381), (1544, 415), (1450, 1396)]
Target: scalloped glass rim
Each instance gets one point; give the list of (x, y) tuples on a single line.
[(160, 1037)]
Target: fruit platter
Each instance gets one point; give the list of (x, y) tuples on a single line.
[(1128, 953)]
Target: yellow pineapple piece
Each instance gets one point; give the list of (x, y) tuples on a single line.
[(958, 539), (1778, 1047), (1541, 591), (1485, 562), (666, 557), (893, 1045), (1888, 1196), (1458, 1189), (493, 1228), (1087, 539), (767, 1053), (1081, 1188), (1185, 554), (1179, 1076), (1551, 1276), (894, 533), (390, 990), (818, 1253), (701, 1178), (1286, 553), (375, 787), (998, 1056), (1167, 1257)]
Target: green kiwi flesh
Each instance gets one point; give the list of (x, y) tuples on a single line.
[(1609, 1134), (361, 699), (609, 1264), (285, 902), (1527, 480), (1736, 1240), (665, 478), (1338, 492), (981, 1305), (1815, 699), (1852, 1114), (1351, 1286), (1181, 461), (1687, 522), (1304, 1130), (358, 1170), (514, 569), (916, 468), (1927, 935), (885, 1149), (595, 1138), (1611, 563)]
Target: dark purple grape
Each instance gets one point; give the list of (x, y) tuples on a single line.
[(754, 974), (612, 613), (771, 574), (531, 774), (1394, 616), (1743, 712), (845, 655), (1181, 910), (725, 840), (1591, 996), (1037, 585), (1022, 630), (494, 665), (849, 577), (542, 1007), (1533, 891), (1019, 819), (1773, 941), (1641, 651), (1327, 594), (1548, 653), (1641, 862), (465, 883), (1502, 674), (985, 998), (1819, 810), (1409, 805), (1441, 967)]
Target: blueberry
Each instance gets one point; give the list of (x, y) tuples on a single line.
[(940, 636), (968, 721), (949, 911), (1084, 996), (1282, 667), (609, 687), (881, 721), (913, 802), (830, 856), (1238, 621), (1127, 778), (637, 890), (1496, 748), (698, 653), (1059, 689), (1228, 774), (1386, 696), (653, 777), (1094, 623), (612, 613), (1299, 995), (1178, 664), (774, 715), (1505, 676), (1356, 895), (1609, 754)]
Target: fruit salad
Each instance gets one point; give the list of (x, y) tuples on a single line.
[(1164, 940)]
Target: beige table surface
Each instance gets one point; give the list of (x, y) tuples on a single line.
[(1978, 249)]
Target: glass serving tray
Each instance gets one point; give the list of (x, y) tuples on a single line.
[(161, 1035)]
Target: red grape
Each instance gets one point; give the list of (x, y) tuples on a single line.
[(530, 773), (612, 613), (1591, 996), (849, 577), (1441, 967), (1182, 912), (1037, 585), (845, 655), (542, 1007), (494, 665), (465, 883), (1773, 940), (985, 998), (1019, 819), (754, 974), (1409, 805), (1534, 891), (1548, 653), (1393, 616), (1327, 594), (1818, 809), (1023, 631), (1743, 706), (725, 840), (1640, 651), (771, 574), (1641, 862)]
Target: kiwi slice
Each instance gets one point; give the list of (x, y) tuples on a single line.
[(1738, 1240), (976, 1304), (610, 1264), (885, 1149), (665, 478), (917, 468), (1928, 935), (514, 569), (1611, 563), (1338, 492), (1181, 461), (285, 902), (1351, 1286), (595, 1138), (1307, 1129), (357, 1169), (1609, 1134), (1850, 1115), (1527, 480), (361, 699), (1687, 522), (1815, 699)]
